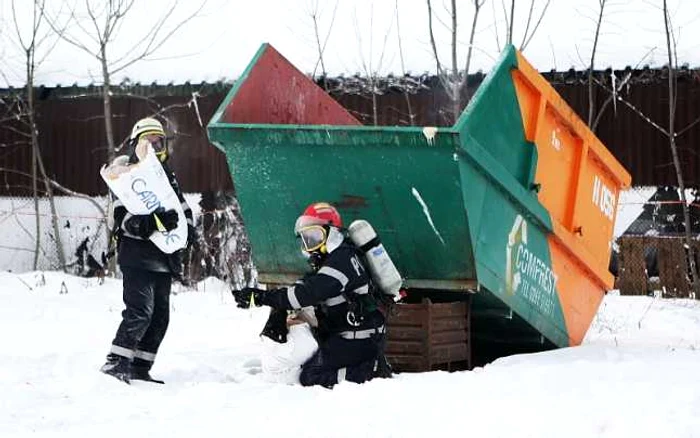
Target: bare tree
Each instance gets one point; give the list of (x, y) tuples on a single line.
[(672, 100), (223, 249), (530, 31), (315, 15), (454, 80), (595, 113), (672, 134), (411, 116), (509, 34), (531, 24), (591, 65), (33, 45), (371, 70), (96, 34), (617, 87)]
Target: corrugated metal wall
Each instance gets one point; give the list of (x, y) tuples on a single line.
[(640, 147), (74, 147)]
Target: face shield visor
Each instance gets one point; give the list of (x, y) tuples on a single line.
[(312, 237), (158, 144)]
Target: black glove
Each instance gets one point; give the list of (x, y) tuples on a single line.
[(168, 218), (143, 225), (191, 235), (249, 295)]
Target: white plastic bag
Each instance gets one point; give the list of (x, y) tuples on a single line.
[(143, 187), (281, 363)]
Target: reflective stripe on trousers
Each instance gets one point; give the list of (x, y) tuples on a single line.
[(362, 334)]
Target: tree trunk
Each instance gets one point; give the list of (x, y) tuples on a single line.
[(467, 65), (456, 101), (111, 150), (591, 96), (509, 37), (36, 152), (672, 97), (375, 110), (37, 213), (54, 214), (686, 215), (107, 103)]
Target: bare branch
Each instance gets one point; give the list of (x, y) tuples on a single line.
[(455, 71), (591, 65), (610, 99), (510, 24), (17, 30), (671, 47), (505, 16), (554, 57), (318, 45), (495, 25), (432, 42), (671, 77), (477, 7), (155, 42), (370, 70), (631, 106), (322, 47), (17, 131), (62, 188), (411, 116), (529, 19), (90, 199), (526, 38), (687, 127), (358, 34), (616, 91), (380, 63)]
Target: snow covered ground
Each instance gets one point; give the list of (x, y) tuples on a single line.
[(630, 205), (636, 376)]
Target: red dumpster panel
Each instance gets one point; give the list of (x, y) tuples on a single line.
[(273, 91)]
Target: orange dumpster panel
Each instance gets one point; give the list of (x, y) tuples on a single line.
[(578, 182)]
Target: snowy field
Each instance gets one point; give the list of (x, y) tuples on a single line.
[(637, 376)]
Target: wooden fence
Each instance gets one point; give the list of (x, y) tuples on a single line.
[(647, 264)]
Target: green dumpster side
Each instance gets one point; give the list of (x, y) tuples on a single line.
[(397, 194), (462, 208)]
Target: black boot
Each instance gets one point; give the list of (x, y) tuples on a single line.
[(118, 367), (145, 375), (382, 369), (360, 373), (141, 370), (276, 326)]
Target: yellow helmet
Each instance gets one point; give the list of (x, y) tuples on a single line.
[(146, 126)]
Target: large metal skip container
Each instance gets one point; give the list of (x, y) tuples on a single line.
[(514, 204)]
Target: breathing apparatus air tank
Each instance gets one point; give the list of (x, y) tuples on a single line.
[(382, 269)]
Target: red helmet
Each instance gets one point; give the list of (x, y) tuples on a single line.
[(318, 213)]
